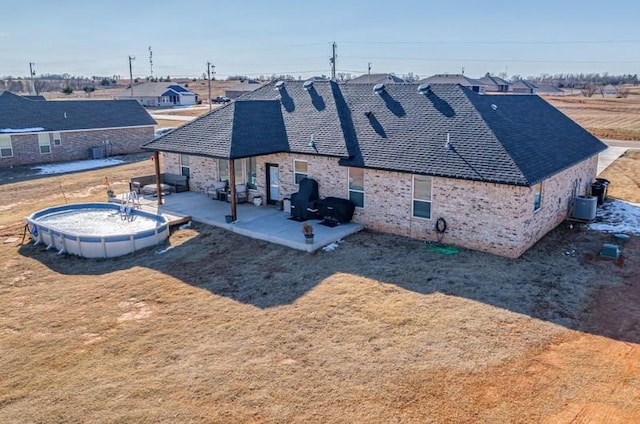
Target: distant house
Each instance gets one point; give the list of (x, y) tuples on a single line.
[(37, 131), (472, 84), (159, 94), (377, 79), (609, 89), (491, 173), (523, 87), (548, 89), (495, 84), (241, 88)]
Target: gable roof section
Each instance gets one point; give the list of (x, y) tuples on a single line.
[(540, 139), (17, 112), (452, 79), (517, 140), (303, 114)]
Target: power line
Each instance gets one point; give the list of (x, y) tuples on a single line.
[(498, 42)]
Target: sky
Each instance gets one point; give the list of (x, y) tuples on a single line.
[(256, 38)]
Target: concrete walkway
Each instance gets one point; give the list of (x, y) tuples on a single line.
[(266, 223), (616, 149)]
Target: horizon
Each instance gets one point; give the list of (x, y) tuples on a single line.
[(275, 38)]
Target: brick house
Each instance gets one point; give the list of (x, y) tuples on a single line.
[(501, 171), (39, 131)]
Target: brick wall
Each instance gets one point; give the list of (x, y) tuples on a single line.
[(494, 218), (75, 145)]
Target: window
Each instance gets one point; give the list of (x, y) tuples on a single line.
[(223, 170), (251, 173), (45, 143), (184, 165), (422, 196), (299, 170), (241, 170), (6, 151), (57, 139), (537, 196), (356, 186)]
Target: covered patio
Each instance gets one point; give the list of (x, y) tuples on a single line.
[(267, 223)]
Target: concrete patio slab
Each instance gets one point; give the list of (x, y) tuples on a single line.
[(266, 223)]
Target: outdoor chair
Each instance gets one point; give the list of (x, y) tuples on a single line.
[(218, 190), (242, 195), (303, 201)]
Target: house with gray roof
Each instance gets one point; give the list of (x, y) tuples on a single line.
[(464, 81), (493, 84), (433, 162), (523, 87), (39, 131), (159, 94), (378, 79)]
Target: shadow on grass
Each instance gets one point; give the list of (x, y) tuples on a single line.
[(554, 281)]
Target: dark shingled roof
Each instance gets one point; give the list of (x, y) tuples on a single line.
[(16, 112), (507, 139)]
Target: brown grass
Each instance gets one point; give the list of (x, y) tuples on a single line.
[(624, 173), (227, 329), (607, 117)]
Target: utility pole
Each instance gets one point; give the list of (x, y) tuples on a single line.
[(32, 73), (131, 73), (332, 61), (369, 72), (209, 65), (151, 62)]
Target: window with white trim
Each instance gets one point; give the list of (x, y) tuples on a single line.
[(57, 139), (422, 196), (300, 170), (44, 141), (185, 166), (537, 196), (356, 186), (6, 150)]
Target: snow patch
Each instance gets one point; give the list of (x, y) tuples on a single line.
[(183, 226), (21, 130), (161, 251), (617, 216), (333, 246), (81, 165)]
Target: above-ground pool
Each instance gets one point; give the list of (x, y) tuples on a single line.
[(97, 230)]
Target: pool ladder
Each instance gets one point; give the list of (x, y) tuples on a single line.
[(129, 202)]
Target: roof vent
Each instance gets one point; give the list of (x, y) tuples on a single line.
[(368, 113), (378, 88), (308, 85), (279, 85), (424, 88), (494, 106)]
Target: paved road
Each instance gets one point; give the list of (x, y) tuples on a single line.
[(621, 143)]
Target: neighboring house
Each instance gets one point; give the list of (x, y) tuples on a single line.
[(523, 87), (37, 131), (548, 89), (501, 170), (495, 84), (159, 94), (609, 89), (460, 79), (377, 79), (242, 88)]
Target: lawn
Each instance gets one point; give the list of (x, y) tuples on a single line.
[(222, 328)]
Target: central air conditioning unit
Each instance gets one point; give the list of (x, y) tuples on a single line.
[(584, 208)]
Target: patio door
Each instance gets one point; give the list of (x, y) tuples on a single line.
[(273, 184)]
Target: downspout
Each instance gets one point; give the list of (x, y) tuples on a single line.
[(232, 189), (156, 162)]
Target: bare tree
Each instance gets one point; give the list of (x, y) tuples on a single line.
[(588, 90)]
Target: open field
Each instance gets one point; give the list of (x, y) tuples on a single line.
[(607, 117), (222, 328)]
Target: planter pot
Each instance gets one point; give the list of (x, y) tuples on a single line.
[(257, 201), (308, 238), (228, 219)]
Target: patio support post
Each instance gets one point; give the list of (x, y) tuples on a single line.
[(232, 189), (156, 163)]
